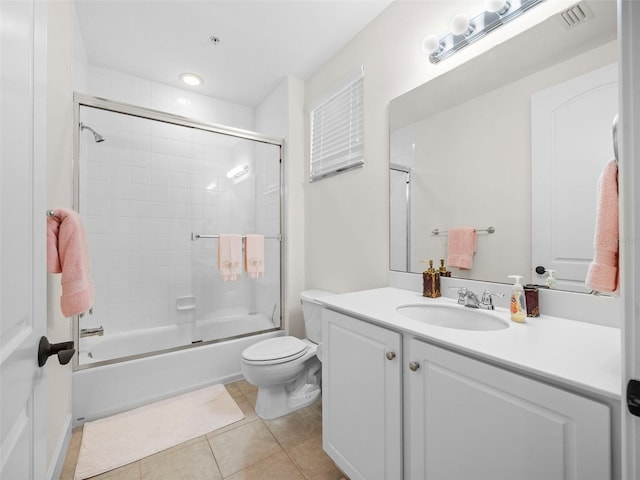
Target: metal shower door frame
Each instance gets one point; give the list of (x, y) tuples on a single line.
[(83, 100)]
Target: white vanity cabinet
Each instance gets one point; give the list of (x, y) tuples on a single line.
[(468, 419), (362, 397), (400, 408)]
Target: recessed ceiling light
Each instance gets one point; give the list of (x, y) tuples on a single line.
[(191, 79)]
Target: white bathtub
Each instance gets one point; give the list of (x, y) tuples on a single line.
[(112, 388), (139, 342)]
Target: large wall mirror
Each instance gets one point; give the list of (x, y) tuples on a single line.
[(515, 140)]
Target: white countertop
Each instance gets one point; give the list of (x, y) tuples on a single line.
[(573, 353)]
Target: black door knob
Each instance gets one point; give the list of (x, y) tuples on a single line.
[(540, 270), (63, 350)]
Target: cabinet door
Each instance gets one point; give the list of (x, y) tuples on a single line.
[(472, 420), (361, 397)]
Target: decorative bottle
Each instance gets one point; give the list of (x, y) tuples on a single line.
[(443, 270), (431, 282)]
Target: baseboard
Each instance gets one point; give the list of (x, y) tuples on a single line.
[(60, 453)]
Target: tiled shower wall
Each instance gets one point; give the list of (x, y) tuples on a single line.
[(147, 188)]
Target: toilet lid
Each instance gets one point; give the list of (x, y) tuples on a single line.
[(275, 350)]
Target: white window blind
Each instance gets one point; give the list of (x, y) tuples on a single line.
[(337, 129)]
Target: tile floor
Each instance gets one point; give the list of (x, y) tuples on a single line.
[(286, 448)]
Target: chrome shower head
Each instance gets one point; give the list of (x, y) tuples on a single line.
[(96, 136)]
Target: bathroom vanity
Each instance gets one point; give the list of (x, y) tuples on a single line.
[(406, 398)]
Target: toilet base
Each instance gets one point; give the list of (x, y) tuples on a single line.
[(274, 402)]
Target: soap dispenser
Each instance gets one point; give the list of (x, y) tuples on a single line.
[(443, 270), (518, 303), (430, 282), (551, 280)]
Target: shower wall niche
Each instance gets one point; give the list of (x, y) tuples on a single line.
[(143, 193)]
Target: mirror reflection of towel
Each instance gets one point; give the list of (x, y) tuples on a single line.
[(230, 257), (254, 255), (461, 247), (602, 275)]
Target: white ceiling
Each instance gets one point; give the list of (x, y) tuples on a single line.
[(262, 41)]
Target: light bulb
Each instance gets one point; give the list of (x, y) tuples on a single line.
[(430, 44), (460, 24), (498, 6), (191, 79)]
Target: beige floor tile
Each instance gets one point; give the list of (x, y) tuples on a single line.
[(251, 398), (243, 446), (245, 387), (71, 459), (312, 461), (296, 427), (234, 391), (128, 472), (249, 416), (276, 467), (194, 462), (175, 448)]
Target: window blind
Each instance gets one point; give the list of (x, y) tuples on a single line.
[(337, 128)]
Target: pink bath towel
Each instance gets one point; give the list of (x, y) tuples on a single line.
[(68, 253), (254, 255), (230, 257), (461, 247), (603, 271)]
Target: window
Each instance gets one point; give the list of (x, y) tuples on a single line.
[(337, 125)]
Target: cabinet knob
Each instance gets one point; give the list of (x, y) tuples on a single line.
[(413, 366), (391, 355)]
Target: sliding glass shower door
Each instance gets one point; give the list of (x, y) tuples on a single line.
[(155, 196)]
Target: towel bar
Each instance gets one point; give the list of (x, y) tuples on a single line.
[(435, 231), (196, 236)]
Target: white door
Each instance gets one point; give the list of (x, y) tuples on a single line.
[(571, 141), (629, 177), (22, 238)]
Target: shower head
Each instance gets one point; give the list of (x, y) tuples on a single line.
[(97, 137)]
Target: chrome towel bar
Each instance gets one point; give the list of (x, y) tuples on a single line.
[(435, 231)]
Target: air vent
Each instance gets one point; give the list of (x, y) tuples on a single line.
[(576, 15)]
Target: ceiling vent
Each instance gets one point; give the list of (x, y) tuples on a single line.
[(576, 15)]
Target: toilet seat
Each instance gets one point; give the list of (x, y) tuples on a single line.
[(275, 351)]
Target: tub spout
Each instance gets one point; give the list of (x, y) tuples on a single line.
[(90, 332)]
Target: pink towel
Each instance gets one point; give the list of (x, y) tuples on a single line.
[(230, 257), (603, 271), (68, 253), (254, 255), (461, 247)]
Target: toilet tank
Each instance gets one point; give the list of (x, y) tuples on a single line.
[(312, 310)]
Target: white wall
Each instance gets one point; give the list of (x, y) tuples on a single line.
[(280, 115), (346, 216)]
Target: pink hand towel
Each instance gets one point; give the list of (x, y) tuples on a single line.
[(230, 257), (461, 247), (68, 253), (254, 255), (603, 271)]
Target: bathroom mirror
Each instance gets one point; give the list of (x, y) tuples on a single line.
[(461, 155)]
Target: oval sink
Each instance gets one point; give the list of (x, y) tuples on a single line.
[(453, 316)]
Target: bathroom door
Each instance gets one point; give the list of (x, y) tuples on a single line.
[(23, 27), (629, 179)]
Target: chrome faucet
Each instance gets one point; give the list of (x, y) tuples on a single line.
[(469, 299), (91, 332)]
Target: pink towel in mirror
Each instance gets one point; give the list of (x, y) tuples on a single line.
[(461, 247)]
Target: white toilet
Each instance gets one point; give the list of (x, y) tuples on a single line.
[(286, 370)]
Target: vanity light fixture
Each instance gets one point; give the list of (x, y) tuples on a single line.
[(465, 31), (191, 79)]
